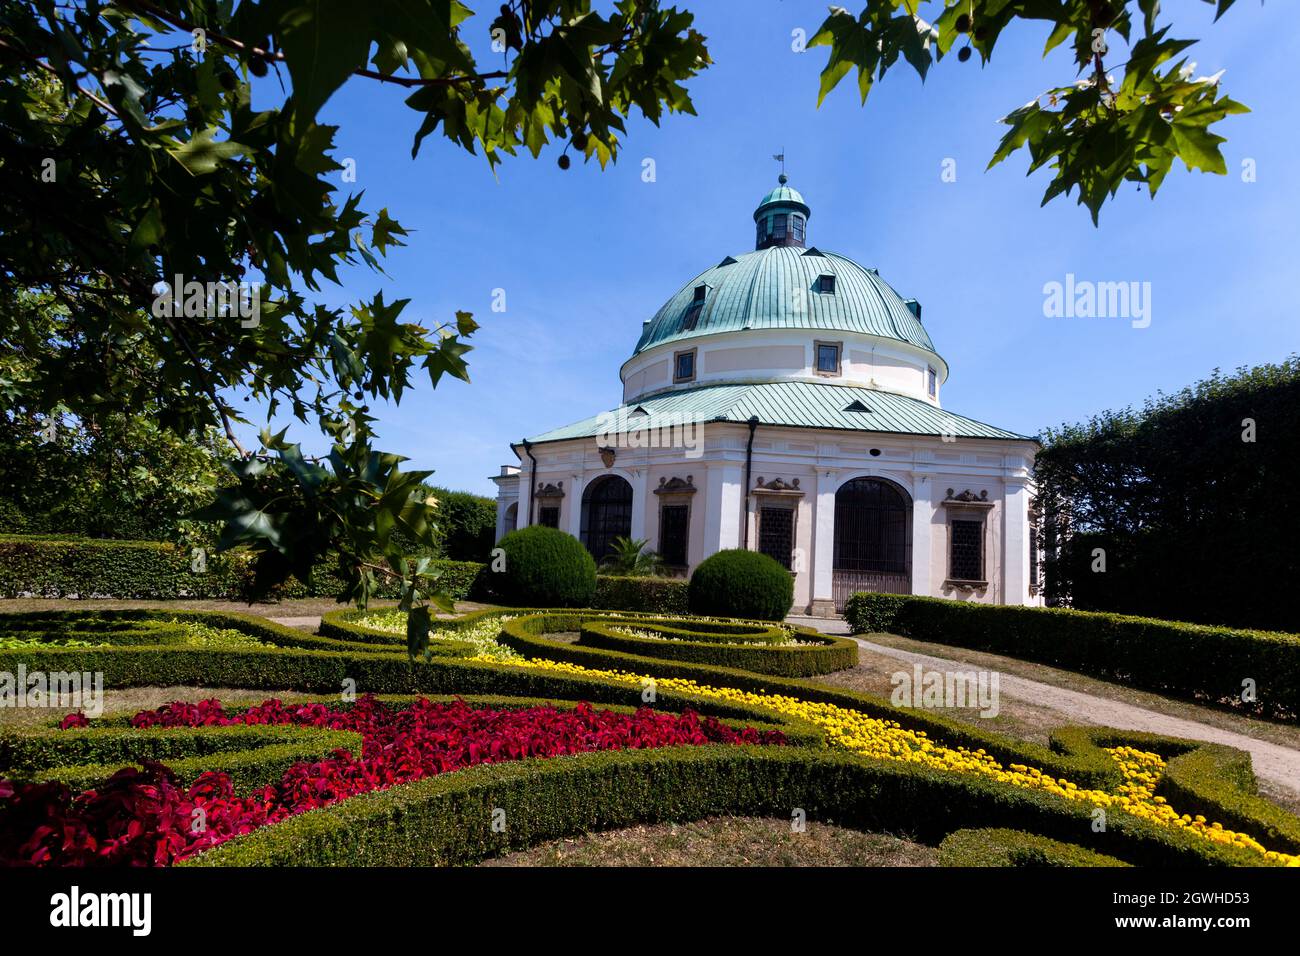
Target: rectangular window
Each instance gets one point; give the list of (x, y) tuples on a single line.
[(932, 382), (776, 534), (966, 550), (826, 284), (796, 223), (700, 292), (778, 227), (1033, 556), (674, 522), (828, 358), (684, 366), (550, 517)]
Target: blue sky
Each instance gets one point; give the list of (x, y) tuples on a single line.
[(584, 255)]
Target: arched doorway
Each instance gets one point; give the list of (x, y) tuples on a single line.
[(511, 519), (606, 514), (873, 539)]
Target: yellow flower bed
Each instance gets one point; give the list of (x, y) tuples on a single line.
[(859, 733)]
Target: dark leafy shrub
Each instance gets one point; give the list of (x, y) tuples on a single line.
[(655, 595), (545, 567), (467, 524), (737, 583), (871, 613)]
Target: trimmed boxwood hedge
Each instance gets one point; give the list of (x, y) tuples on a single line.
[(997, 847), (1210, 779), (106, 626), (447, 819), (525, 634), (648, 594), (1198, 661), (254, 756), (820, 655), (651, 785), (376, 669)]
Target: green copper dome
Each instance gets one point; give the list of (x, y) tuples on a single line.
[(782, 285), (776, 288)]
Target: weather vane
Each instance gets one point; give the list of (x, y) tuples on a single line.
[(780, 158)]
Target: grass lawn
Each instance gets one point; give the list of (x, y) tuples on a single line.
[(727, 841)]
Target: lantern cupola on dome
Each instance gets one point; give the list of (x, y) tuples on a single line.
[(781, 219)]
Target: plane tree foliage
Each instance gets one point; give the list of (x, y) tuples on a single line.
[(143, 141), (1133, 107)]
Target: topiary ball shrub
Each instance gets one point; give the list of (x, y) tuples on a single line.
[(738, 583), (544, 567)]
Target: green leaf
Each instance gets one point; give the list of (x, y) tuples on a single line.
[(323, 41), (418, 625), (1198, 148), (148, 231), (202, 154)]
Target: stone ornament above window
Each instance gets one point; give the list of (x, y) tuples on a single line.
[(676, 486), (778, 486), (965, 587), (549, 490), (968, 499)]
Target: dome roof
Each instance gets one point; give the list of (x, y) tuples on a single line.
[(761, 290)]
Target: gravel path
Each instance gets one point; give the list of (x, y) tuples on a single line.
[(1276, 764)]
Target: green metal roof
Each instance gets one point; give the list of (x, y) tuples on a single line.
[(798, 405), (757, 291), (783, 195)]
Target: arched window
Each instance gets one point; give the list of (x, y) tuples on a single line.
[(873, 539), (606, 514)]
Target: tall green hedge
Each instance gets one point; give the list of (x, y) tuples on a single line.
[(67, 566), (1191, 497), (1199, 661), (38, 566)]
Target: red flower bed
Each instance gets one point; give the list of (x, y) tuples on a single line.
[(147, 818)]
